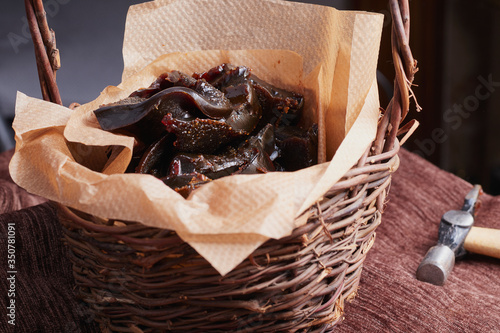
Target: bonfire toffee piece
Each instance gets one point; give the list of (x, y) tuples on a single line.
[(190, 130)]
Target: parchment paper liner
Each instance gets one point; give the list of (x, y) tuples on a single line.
[(60, 152)]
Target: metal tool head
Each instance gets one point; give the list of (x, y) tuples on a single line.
[(453, 229), (437, 265)]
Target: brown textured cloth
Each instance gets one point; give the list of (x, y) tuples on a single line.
[(390, 298), (12, 197)]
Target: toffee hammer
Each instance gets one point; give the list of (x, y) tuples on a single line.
[(456, 237)]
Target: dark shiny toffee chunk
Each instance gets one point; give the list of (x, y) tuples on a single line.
[(191, 130), (164, 81), (251, 156), (298, 148), (278, 105), (200, 135), (153, 159), (212, 166), (186, 183), (144, 119)]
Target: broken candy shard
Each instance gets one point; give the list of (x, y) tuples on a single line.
[(280, 106), (237, 87), (212, 166), (164, 81), (185, 184), (264, 140), (252, 156), (157, 157), (200, 135), (260, 163), (247, 111), (298, 147), (265, 150), (224, 75), (179, 79), (144, 119)]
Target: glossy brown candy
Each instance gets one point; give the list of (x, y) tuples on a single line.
[(298, 147), (186, 183), (278, 105), (266, 151), (252, 156), (235, 83), (224, 75), (143, 120), (265, 141), (155, 159), (260, 163), (281, 107), (164, 81), (194, 129), (213, 74), (246, 113), (179, 79), (200, 135), (212, 166)]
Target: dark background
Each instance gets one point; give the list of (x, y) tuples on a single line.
[(455, 43)]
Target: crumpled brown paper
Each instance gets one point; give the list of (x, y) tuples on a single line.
[(329, 55)]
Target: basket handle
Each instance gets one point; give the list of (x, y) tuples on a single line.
[(405, 67), (47, 59), (46, 53)]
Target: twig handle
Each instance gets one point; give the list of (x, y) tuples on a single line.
[(405, 67), (46, 53)]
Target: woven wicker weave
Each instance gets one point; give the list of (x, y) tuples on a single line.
[(141, 279)]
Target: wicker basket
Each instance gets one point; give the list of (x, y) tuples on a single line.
[(142, 279)]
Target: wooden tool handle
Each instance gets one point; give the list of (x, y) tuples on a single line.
[(484, 241)]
